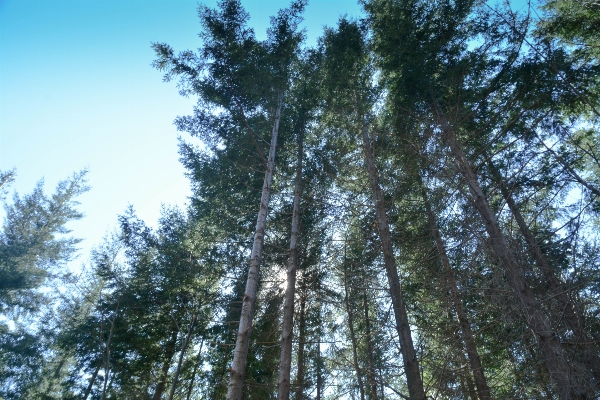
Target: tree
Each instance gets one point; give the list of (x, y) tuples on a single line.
[(434, 42), (34, 249), (346, 49)]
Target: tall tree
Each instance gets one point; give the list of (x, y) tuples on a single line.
[(438, 31), (34, 250), (243, 75), (347, 49)]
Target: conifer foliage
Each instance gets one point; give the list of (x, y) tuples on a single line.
[(407, 210)]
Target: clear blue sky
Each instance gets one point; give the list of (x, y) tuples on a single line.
[(77, 91)]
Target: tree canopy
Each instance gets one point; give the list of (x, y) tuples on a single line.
[(407, 210)]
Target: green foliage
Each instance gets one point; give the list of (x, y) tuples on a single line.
[(575, 23), (33, 245), (522, 105)]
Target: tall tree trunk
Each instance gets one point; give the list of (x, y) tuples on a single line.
[(301, 344), (191, 385), (372, 381), (164, 373), (240, 353), (557, 362), (352, 335), (319, 359), (569, 315), (467, 336), (409, 355), (180, 360), (91, 384), (107, 346), (319, 363), (285, 359)]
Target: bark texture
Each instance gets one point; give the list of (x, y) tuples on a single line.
[(240, 353), (409, 355)]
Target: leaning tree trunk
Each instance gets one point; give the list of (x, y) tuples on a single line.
[(169, 353), (240, 353), (352, 334), (285, 359), (467, 336), (194, 372), (91, 384), (409, 355), (180, 360), (569, 315), (562, 372)]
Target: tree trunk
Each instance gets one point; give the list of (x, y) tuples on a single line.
[(180, 360), (372, 381), (569, 315), (319, 359), (467, 336), (556, 360), (319, 363), (240, 353), (409, 355), (285, 359), (301, 340), (107, 363), (91, 384), (352, 335), (169, 353), (191, 385)]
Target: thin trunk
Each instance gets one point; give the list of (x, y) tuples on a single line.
[(569, 315), (319, 362), (372, 381), (180, 360), (409, 355), (169, 353), (352, 335), (556, 360), (107, 363), (285, 360), (240, 353), (467, 336), (55, 376), (301, 340), (91, 384), (191, 385)]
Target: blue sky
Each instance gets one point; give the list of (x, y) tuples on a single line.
[(77, 91)]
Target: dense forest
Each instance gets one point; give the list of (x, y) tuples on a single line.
[(407, 210)]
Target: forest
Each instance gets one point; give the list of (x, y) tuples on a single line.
[(409, 209)]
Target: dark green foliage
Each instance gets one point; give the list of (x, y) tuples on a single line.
[(520, 93)]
